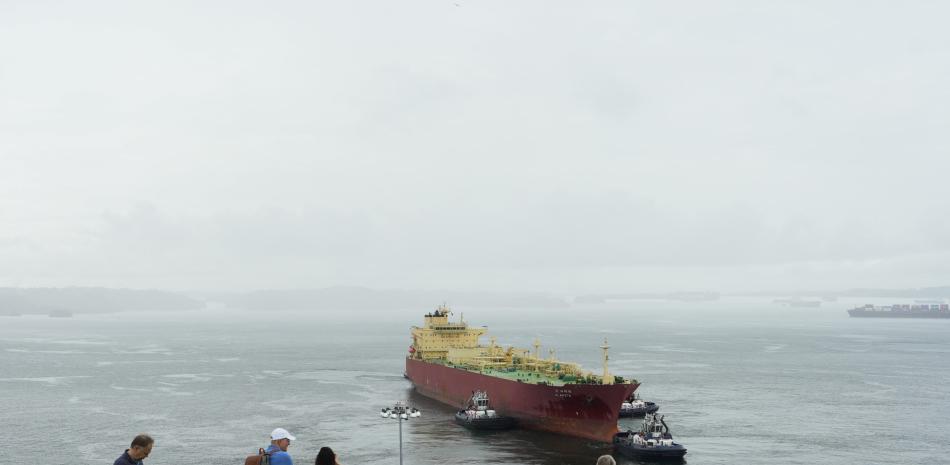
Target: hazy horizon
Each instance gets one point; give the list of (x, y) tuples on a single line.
[(491, 146)]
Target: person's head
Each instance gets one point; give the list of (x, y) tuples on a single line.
[(141, 446), (326, 457), (281, 438), (606, 460)]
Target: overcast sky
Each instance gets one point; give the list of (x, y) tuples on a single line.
[(551, 146)]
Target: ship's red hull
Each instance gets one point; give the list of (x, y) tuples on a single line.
[(583, 410)]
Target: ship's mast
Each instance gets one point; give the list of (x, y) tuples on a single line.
[(608, 378)]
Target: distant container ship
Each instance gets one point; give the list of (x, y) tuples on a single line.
[(902, 311), (446, 363)]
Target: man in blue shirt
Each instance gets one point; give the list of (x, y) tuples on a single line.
[(140, 448), (279, 442)]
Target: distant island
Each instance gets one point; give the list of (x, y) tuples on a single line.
[(691, 296), (352, 297), (66, 301), (794, 298), (923, 293)]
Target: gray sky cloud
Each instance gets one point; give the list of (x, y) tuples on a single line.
[(546, 146)]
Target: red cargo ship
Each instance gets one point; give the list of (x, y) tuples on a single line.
[(446, 363)]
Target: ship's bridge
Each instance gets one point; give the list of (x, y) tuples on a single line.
[(439, 335)]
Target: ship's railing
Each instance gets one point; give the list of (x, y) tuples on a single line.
[(534, 376), (449, 326), (535, 370)]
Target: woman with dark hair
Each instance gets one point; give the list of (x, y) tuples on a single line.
[(326, 457)]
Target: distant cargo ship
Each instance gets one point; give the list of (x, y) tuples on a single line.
[(446, 363), (902, 311)]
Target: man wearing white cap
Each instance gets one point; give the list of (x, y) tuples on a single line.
[(279, 442)]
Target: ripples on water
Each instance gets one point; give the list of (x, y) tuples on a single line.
[(741, 381)]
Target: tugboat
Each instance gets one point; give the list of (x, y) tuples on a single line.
[(637, 407), (654, 441), (479, 415)]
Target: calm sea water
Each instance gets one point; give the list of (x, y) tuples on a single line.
[(740, 381)]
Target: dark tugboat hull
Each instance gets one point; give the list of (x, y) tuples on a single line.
[(674, 452), (656, 453), (639, 412), (485, 424)]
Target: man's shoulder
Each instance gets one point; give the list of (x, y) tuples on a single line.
[(124, 459), (281, 458)]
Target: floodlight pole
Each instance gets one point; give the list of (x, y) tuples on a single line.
[(400, 438), (400, 412)]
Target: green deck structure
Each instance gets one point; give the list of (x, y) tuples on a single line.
[(524, 376)]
